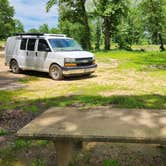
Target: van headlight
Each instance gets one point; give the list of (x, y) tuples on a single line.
[(69, 60)]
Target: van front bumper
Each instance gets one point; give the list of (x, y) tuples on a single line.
[(79, 70)]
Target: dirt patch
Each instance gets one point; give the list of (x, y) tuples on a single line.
[(122, 154), (8, 80), (12, 120), (2, 63), (93, 154)]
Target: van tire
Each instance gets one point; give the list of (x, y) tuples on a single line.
[(14, 67), (55, 72)]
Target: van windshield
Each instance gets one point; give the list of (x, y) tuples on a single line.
[(64, 45)]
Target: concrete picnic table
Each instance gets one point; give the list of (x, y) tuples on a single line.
[(68, 126)]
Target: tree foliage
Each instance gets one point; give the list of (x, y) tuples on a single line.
[(99, 22), (44, 28), (18, 26), (6, 19), (130, 29), (111, 11), (74, 12), (154, 14)]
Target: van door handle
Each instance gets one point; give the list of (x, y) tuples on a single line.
[(36, 53)]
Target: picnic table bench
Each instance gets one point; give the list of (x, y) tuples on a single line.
[(67, 127)]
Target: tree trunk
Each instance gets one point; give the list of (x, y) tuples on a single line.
[(98, 35), (87, 36), (161, 42), (106, 34), (155, 38), (107, 40)]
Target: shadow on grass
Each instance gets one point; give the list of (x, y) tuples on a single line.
[(149, 101)]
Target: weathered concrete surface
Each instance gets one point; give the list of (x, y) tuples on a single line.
[(100, 124)]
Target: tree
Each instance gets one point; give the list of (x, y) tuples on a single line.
[(98, 32), (44, 28), (154, 12), (54, 31), (33, 30), (74, 12), (111, 11), (6, 19), (130, 30), (18, 26)]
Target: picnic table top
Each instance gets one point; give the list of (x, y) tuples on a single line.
[(98, 124)]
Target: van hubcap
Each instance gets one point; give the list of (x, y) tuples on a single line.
[(55, 72), (14, 66)]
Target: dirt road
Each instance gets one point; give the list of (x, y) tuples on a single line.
[(8, 80)]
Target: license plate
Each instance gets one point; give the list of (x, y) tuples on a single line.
[(84, 61), (87, 70)]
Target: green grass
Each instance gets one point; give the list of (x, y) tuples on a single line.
[(135, 59), (28, 79), (3, 132), (152, 101), (44, 93), (110, 163)]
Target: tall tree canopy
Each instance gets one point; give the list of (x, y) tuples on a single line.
[(19, 27), (74, 13), (111, 11), (6, 19), (44, 28), (154, 14), (131, 29)]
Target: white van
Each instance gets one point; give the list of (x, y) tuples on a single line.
[(53, 53)]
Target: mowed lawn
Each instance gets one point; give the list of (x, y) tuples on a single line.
[(123, 79)]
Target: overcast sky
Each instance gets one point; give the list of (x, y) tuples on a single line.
[(32, 13)]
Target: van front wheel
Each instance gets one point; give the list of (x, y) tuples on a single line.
[(56, 72), (14, 67)]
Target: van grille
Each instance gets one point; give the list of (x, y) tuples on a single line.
[(84, 61)]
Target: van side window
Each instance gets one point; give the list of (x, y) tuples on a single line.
[(23, 44), (31, 44), (43, 45)]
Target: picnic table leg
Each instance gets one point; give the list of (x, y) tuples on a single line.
[(65, 150)]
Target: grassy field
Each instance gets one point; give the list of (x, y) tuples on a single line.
[(123, 79)]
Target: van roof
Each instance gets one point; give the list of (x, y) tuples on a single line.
[(40, 34)]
